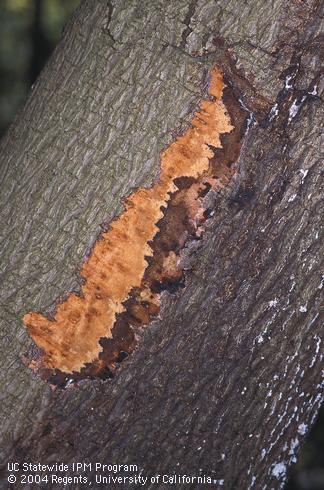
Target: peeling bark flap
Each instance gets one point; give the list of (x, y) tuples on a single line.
[(138, 256)]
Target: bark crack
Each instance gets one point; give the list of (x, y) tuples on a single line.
[(187, 21), (109, 17)]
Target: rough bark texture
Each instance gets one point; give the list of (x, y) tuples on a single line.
[(226, 382)]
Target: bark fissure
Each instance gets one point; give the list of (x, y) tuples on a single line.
[(187, 21)]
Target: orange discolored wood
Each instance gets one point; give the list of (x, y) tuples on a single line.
[(119, 258)]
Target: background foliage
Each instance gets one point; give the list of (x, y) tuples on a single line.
[(29, 30)]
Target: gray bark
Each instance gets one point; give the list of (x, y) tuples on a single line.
[(226, 382)]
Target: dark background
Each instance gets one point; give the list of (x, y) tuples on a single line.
[(29, 31)]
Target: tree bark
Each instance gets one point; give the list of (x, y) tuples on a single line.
[(225, 382)]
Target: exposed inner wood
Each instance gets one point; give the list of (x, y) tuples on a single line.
[(138, 256)]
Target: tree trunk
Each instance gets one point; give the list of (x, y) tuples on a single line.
[(223, 383)]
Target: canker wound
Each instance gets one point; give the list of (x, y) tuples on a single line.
[(138, 256)]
